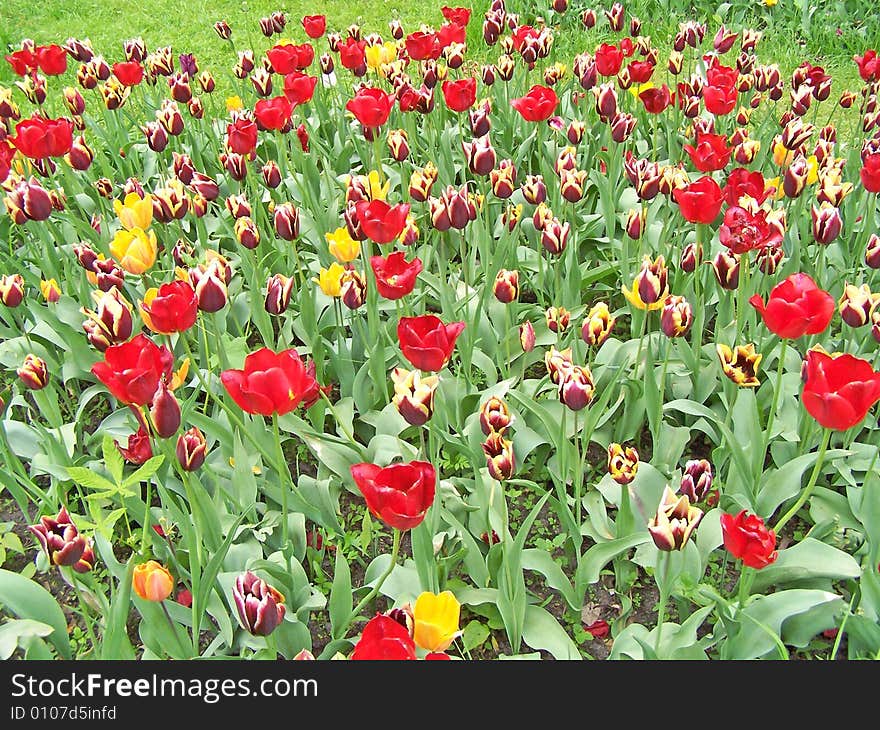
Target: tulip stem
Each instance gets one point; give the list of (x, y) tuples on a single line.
[(662, 570), (745, 582), (183, 651), (283, 466), (395, 548), (780, 368), (86, 614), (805, 495)]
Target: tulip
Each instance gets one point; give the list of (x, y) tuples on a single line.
[(286, 220), (557, 319), (527, 336), (11, 289), (278, 291), (50, 290), (395, 277), (151, 581), (62, 542), (795, 307), (711, 152), (872, 252), (133, 370), (623, 463), (500, 457), (676, 317), (28, 201), (435, 618), (856, 304), (330, 280), (839, 390), (384, 638), (740, 365), (597, 325), (650, 286), (246, 232), (135, 250), (260, 606), (371, 107), (191, 449), (696, 480), (576, 387), (399, 494), (726, 267), (39, 137), (270, 383), (170, 308), (426, 341), (111, 322), (554, 236), (165, 412), (241, 135), (494, 416), (461, 94), (675, 521), (506, 286), (210, 282), (33, 373), (421, 182), (748, 539), (537, 105), (414, 395), (380, 221)]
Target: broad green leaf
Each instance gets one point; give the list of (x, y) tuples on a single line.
[(29, 600), (542, 561), (12, 633), (807, 560), (88, 479), (784, 483), (542, 631), (598, 556), (146, 471), (112, 459), (339, 604), (474, 634)]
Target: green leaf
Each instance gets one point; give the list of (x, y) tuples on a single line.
[(474, 634), (30, 600), (339, 606), (784, 483), (88, 479), (115, 643), (13, 632), (598, 556), (542, 631), (112, 459), (146, 471), (809, 559), (542, 561)]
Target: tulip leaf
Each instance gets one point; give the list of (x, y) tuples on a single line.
[(806, 561), (784, 483), (473, 558), (542, 631), (20, 632), (115, 643), (339, 605), (29, 600), (542, 561), (598, 556), (474, 634)]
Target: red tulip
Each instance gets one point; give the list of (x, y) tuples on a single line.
[(7, 152), (22, 61), (450, 33), (380, 221), (421, 46), (839, 390), (132, 371), (241, 136), (273, 113), (711, 152), (171, 308), (700, 201), (720, 100), (460, 16), (742, 182), (371, 106), (870, 173), (384, 638), (399, 494), (39, 137), (795, 307), (314, 25), (461, 94), (269, 383), (609, 59), (426, 342), (869, 66), (351, 53), (656, 99), (289, 57), (52, 60), (299, 88), (128, 73), (395, 276), (743, 231), (537, 105), (748, 539)]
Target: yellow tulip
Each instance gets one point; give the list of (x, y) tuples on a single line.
[(436, 620), (134, 212), (234, 103), (50, 290), (378, 54), (342, 246), (812, 169), (770, 3), (135, 250), (330, 280)]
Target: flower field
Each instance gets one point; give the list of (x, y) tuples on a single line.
[(440, 343)]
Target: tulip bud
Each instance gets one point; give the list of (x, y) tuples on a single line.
[(353, 289), (675, 521), (62, 542), (104, 186), (598, 325), (191, 449), (151, 581), (651, 281), (278, 291), (479, 120), (554, 236), (588, 18), (235, 164), (238, 206), (827, 223), (575, 131), (11, 289), (856, 304), (557, 319), (872, 252), (576, 387), (769, 258), (206, 82), (503, 179), (157, 136), (28, 201), (165, 412), (111, 323), (691, 257), (286, 219), (487, 74), (676, 317), (262, 82), (696, 480), (421, 182), (572, 184), (271, 174), (500, 459), (623, 463), (33, 373), (246, 232), (414, 395), (505, 66), (622, 126), (398, 144), (557, 363), (210, 284), (527, 336), (635, 223), (506, 287), (726, 268), (494, 416), (480, 156), (534, 190)]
